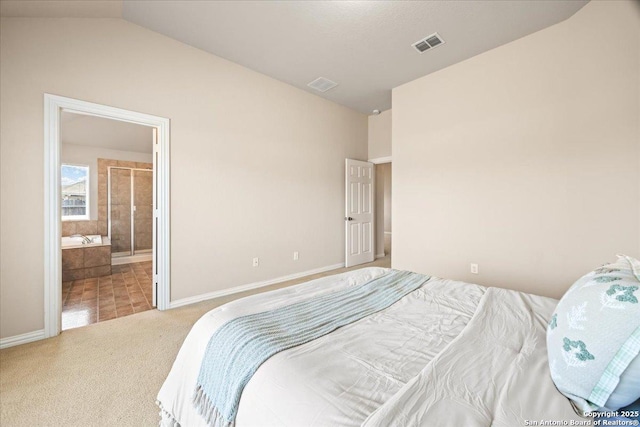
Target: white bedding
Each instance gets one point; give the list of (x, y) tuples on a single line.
[(344, 377), (494, 374)]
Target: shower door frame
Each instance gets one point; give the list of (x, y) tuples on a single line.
[(131, 211), (53, 106)]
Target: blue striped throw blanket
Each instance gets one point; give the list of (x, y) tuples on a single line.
[(237, 349)]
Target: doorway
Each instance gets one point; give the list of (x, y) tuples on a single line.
[(383, 210), (107, 219), (156, 213)]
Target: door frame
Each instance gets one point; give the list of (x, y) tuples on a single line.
[(53, 106)]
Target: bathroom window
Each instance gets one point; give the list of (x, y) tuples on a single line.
[(75, 192)]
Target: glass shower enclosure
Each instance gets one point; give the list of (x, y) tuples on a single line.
[(130, 211)]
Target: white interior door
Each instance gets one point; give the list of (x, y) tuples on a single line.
[(359, 230)]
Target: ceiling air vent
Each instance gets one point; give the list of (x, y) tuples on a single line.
[(322, 85), (428, 42)]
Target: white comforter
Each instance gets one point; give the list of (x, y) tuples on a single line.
[(379, 363), (495, 373)]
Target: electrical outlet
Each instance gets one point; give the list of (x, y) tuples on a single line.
[(256, 262), (295, 256), (474, 268)]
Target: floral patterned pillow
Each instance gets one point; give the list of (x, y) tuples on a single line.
[(593, 338)]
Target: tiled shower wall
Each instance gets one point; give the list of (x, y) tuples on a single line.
[(80, 227), (120, 210), (143, 199), (121, 203)]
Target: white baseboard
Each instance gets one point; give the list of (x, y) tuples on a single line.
[(380, 255), (255, 285), (22, 339)]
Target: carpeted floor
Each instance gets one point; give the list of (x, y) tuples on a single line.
[(105, 374)]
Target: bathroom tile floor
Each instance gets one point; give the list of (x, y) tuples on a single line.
[(126, 291)]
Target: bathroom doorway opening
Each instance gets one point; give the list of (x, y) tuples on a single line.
[(383, 208), (107, 219), (107, 231)]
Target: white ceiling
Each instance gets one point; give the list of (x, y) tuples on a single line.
[(364, 46), (94, 131), (61, 8)]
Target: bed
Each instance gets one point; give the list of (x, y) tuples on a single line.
[(446, 353)]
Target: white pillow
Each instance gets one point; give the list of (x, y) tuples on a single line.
[(628, 387), (593, 338)]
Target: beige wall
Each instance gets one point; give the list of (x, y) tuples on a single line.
[(529, 162), (257, 166), (379, 136), (87, 155)]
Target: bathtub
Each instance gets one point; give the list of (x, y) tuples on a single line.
[(85, 260), (76, 242)]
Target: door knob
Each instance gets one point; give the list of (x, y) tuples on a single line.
[(349, 219)]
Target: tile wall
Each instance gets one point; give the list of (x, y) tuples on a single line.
[(121, 203), (84, 263), (143, 199)]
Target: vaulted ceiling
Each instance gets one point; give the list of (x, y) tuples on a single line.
[(364, 46)]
